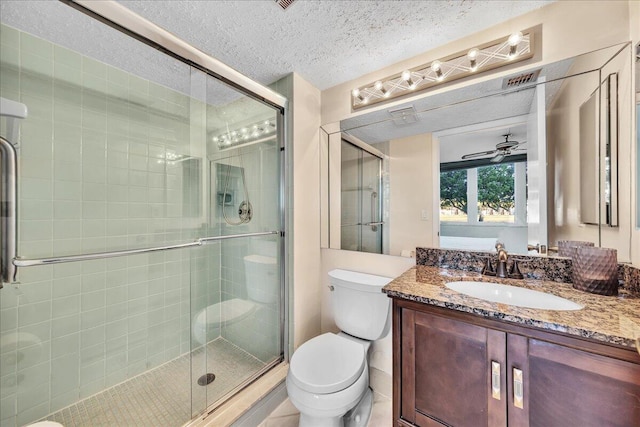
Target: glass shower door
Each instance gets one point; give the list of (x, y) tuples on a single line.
[(351, 198), (361, 204), (236, 281), (371, 203)]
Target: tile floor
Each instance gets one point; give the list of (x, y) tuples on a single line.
[(286, 415), (140, 402)]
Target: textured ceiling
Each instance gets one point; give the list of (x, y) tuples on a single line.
[(328, 42)]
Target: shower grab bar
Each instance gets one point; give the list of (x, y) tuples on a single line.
[(8, 211), (25, 262)]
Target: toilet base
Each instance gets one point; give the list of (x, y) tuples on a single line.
[(356, 417), (359, 416)]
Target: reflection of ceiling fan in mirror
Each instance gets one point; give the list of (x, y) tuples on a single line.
[(503, 149)]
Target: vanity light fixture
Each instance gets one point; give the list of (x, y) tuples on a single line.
[(250, 134), (488, 56)]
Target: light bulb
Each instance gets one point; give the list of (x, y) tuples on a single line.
[(378, 85), (515, 38), (406, 76), (513, 41), (436, 67), (473, 55), (356, 94), (244, 130), (215, 139)]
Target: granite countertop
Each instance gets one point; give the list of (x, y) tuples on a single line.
[(609, 319)]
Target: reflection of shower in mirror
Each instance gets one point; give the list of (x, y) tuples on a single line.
[(232, 192)]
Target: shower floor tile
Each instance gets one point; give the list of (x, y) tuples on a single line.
[(162, 396)]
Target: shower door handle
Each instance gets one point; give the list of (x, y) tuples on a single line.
[(8, 211), (374, 217)]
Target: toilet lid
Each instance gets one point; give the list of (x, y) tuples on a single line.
[(327, 364)]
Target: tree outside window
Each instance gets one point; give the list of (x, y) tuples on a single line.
[(496, 193), (453, 196)]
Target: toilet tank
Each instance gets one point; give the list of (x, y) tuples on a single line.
[(359, 306)]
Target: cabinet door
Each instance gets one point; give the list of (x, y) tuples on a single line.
[(573, 388), (446, 372)]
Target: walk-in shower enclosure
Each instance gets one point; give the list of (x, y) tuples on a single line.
[(150, 225)]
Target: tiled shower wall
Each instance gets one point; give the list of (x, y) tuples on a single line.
[(97, 173)]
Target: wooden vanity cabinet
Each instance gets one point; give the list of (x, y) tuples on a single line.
[(456, 369)]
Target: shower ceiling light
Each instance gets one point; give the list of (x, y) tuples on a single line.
[(488, 56), (251, 133)]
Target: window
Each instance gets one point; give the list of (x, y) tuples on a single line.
[(483, 194)]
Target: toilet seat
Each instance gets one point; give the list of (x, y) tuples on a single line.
[(327, 364)]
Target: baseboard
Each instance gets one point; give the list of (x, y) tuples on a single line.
[(381, 382), (261, 409)]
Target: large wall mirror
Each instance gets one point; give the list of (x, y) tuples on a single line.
[(529, 159)]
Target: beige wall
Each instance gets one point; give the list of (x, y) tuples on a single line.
[(306, 211), (303, 208), (411, 176)]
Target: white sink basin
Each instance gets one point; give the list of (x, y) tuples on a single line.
[(513, 295)]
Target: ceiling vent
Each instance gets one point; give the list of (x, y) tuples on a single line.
[(404, 116), (284, 4), (520, 80)]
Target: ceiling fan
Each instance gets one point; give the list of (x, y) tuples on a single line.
[(503, 149)]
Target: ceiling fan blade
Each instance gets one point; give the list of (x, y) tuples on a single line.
[(498, 158), (480, 154)]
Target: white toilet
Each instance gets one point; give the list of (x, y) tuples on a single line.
[(328, 379)]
